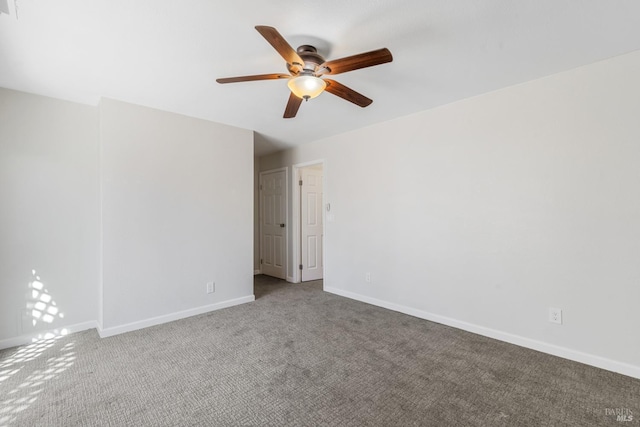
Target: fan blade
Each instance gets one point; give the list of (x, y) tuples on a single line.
[(252, 78), (278, 42), (338, 89), (355, 62), (292, 106)]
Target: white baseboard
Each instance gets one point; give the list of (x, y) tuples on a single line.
[(116, 330), (57, 332), (256, 272), (566, 353), (290, 279)]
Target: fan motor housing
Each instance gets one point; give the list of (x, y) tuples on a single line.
[(312, 59)]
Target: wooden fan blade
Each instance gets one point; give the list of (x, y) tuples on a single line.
[(252, 78), (338, 89), (278, 42), (292, 106), (355, 62)]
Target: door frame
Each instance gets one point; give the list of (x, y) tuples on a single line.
[(295, 202), (286, 216)]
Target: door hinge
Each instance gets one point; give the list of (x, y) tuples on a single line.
[(261, 186), (300, 182), (260, 260), (300, 266)]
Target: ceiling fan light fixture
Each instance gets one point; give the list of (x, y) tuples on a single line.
[(305, 66), (307, 87)]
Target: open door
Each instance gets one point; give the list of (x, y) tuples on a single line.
[(273, 223), (311, 224)]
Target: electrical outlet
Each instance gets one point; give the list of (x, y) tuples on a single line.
[(555, 315), (211, 287), (367, 277)]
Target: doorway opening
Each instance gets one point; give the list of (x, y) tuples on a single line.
[(308, 215)]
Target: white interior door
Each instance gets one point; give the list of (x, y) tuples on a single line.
[(273, 204), (311, 230)]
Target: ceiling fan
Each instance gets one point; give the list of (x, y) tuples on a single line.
[(306, 67)]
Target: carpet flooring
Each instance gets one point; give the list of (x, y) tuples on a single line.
[(298, 356)]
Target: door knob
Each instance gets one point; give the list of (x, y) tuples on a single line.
[(282, 225)]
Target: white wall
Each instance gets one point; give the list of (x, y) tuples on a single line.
[(124, 212), (49, 212), (484, 213), (177, 200)]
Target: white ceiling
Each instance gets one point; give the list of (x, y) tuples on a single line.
[(167, 54)]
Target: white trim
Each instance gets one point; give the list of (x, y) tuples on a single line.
[(29, 338), (256, 272), (295, 209), (555, 350), (108, 332), (286, 213), (290, 280)]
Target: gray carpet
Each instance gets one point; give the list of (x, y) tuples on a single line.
[(301, 357)]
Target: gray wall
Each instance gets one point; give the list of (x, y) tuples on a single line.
[(484, 213), (49, 212), (124, 212), (177, 212)]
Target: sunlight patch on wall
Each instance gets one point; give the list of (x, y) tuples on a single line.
[(41, 306)]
